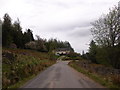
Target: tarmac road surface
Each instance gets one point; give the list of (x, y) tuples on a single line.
[(60, 75)]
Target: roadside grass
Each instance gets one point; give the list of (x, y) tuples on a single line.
[(22, 82), (19, 66), (98, 78), (27, 52)]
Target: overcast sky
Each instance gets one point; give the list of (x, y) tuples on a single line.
[(66, 20)]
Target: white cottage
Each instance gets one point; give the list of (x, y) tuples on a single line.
[(62, 51)]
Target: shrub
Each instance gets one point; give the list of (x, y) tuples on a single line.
[(116, 79), (17, 66)]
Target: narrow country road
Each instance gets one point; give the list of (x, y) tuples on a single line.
[(60, 75)]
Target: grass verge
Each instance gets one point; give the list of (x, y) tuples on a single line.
[(19, 66), (98, 78), (22, 82), (25, 80)]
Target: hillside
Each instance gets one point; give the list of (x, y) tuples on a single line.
[(19, 64)]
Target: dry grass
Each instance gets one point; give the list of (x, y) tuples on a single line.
[(116, 79), (19, 64), (28, 53), (98, 73)]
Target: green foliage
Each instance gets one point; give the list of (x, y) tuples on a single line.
[(40, 44), (106, 29), (17, 34), (106, 33), (116, 79), (113, 56), (44, 45), (6, 30), (93, 51), (53, 44), (31, 45), (19, 64), (102, 56), (52, 56), (72, 56), (28, 36), (12, 33), (111, 82)]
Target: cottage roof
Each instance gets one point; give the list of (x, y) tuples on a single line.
[(63, 49)]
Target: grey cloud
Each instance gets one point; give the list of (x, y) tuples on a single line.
[(63, 19), (70, 27), (80, 32)]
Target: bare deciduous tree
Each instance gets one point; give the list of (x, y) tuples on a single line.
[(106, 30)]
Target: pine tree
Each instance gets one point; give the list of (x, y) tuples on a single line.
[(7, 38)]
